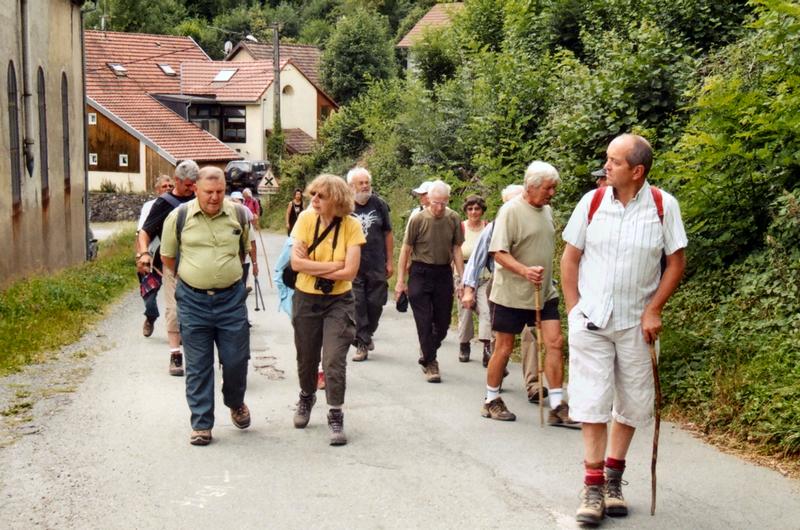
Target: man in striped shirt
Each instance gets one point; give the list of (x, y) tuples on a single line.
[(614, 292)]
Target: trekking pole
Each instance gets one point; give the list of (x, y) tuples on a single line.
[(260, 294), (256, 288), (540, 351), (266, 259), (657, 383)]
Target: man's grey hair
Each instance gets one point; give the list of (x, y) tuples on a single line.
[(188, 169), (640, 154), (538, 172), (511, 191), (358, 170), (439, 187)]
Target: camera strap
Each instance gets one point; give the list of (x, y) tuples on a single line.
[(318, 238)]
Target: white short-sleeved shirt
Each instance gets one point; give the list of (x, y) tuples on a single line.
[(620, 268)]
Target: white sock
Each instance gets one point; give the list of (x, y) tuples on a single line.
[(492, 393), (555, 395)]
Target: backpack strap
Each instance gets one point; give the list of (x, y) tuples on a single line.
[(179, 222), (658, 198), (597, 198), (171, 199), (241, 215)]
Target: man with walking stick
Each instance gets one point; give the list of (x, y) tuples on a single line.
[(523, 244), (614, 290)]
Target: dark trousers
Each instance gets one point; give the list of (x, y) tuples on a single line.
[(324, 326), (430, 295), (150, 303), (206, 320), (370, 290)]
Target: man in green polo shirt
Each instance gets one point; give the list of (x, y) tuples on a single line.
[(211, 300)]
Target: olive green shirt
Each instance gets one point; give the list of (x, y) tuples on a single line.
[(431, 239), (209, 253), (528, 234)]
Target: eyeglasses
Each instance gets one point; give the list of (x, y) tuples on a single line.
[(439, 203), (318, 194)]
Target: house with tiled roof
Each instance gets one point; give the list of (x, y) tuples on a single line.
[(134, 136), (300, 133), (439, 16)]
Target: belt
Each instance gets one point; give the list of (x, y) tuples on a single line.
[(212, 292)]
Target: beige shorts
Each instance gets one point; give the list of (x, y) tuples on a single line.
[(610, 373), (169, 283)]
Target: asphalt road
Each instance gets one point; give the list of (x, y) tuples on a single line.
[(116, 453)]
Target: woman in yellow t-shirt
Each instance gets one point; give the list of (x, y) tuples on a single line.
[(326, 255)]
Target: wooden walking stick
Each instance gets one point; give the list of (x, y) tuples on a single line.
[(657, 382), (540, 350)]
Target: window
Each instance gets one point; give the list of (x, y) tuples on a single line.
[(224, 75), (287, 90), (123, 160), (92, 118), (92, 159), (234, 125), (65, 129), (118, 69), (168, 70), (228, 124), (44, 169), (13, 134)]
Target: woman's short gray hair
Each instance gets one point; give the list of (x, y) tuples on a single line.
[(511, 191), (188, 169), (538, 172)]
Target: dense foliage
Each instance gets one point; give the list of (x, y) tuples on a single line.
[(714, 85)]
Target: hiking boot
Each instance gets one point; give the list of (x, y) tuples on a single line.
[(147, 327), (463, 352), (592, 506), (559, 417), (614, 501), (202, 437), (497, 410), (533, 395), (432, 372), (361, 353), (336, 425), (371, 345), (303, 412), (487, 353), (320, 380), (240, 416), (176, 364)]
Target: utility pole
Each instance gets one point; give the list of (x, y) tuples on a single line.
[(277, 131)]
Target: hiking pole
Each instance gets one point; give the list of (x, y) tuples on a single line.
[(266, 260), (256, 288), (540, 350), (260, 294), (657, 382)]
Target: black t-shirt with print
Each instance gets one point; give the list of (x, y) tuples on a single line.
[(375, 222)]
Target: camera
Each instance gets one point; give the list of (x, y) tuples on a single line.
[(323, 284)]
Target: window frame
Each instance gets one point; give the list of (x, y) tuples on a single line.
[(15, 152), (44, 164)]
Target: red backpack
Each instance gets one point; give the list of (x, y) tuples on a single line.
[(597, 198)]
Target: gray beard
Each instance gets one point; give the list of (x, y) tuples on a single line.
[(362, 197)]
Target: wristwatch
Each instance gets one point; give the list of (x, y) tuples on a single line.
[(140, 254)]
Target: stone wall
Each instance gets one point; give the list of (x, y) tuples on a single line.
[(105, 207)]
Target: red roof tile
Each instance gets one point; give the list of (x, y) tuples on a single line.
[(298, 142), (438, 16), (247, 84), (127, 97), (305, 57)]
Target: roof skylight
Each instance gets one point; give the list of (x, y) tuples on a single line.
[(224, 75), (167, 69), (118, 69)]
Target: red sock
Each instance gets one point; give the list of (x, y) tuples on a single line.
[(613, 463), (593, 474)]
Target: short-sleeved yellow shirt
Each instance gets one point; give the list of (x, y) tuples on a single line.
[(350, 233)]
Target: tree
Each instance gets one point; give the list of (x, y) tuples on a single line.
[(139, 16), (358, 51)]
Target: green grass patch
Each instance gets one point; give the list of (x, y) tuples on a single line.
[(44, 313)]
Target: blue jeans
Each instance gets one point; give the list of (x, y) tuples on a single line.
[(206, 320), (150, 303)]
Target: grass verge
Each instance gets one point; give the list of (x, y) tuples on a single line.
[(41, 314)]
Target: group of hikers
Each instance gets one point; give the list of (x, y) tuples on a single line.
[(623, 259)]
